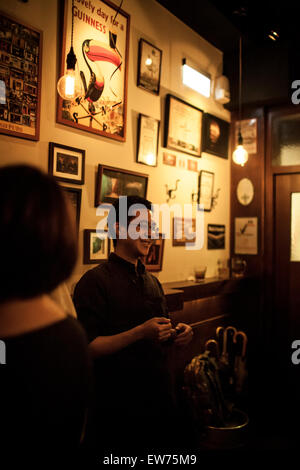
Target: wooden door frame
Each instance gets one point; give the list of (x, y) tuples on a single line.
[(271, 172)]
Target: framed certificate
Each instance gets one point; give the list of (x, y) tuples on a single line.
[(147, 145), (205, 189), (183, 126)]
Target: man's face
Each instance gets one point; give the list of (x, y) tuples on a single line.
[(140, 227)]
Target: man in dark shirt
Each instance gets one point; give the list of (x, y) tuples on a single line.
[(123, 310)]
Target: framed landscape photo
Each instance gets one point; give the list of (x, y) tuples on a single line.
[(95, 246), (205, 189), (149, 67), (215, 136), (66, 163), (153, 261), (20, 78), (101, 45), (74, 195), (115, 182), (183, 126), (183, 231), (147, 140)]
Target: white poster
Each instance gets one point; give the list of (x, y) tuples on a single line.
[(245, 239)]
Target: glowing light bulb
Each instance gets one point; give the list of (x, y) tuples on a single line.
[(240, 155), (69, 86), (150, 159), (148, 61)]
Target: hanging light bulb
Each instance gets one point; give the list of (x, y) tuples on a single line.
[(240, 154), (69, 86)]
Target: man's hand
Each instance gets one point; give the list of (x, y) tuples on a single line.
[(185, 334), (157, 329)]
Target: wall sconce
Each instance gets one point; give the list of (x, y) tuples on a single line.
[(171, 191), (69, 86), (195, 79)]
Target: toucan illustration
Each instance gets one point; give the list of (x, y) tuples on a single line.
[(93, 52)]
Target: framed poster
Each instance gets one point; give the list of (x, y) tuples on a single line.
[(183, 126), (245, 236), (215, 237), (149, 67), (115, 182), (66, 163), (20, 78), (205, 189), (153, 261), (95, 246), (249, 133), (101, 41), (74, 195), (147, 145), (183, 231), (215, 136)]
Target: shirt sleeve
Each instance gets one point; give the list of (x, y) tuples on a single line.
[(91, 305)]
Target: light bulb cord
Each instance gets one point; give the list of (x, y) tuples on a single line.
[(240, 84), (72, 29)]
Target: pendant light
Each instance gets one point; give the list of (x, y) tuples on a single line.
[(69, 86), (240, 154)]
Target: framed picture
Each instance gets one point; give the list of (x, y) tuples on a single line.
[(147, 140), (183, 126), (20, 78), (215, 237), (149, 67), (205, 189), (249, 133), (245, 236), (66, 163), (215, 136), (95, 246), (184, 231), (74, 195), (100, 42), (153, 261), (115, 182)]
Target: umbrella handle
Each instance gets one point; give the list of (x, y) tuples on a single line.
[(212, 341), (220, 336), (244, 343), (227, 329)]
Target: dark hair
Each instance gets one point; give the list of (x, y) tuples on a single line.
[(38, 242), (114, 215)]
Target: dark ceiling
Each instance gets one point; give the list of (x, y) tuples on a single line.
[(269, 66), (222, 21)]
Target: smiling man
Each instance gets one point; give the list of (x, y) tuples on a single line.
[(123, 310)]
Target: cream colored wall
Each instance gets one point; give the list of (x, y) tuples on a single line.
[(155, 24)]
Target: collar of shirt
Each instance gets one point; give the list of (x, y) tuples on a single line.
[(139, 269)]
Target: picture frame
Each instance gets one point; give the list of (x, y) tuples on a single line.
[(246, 235), (66, 163), (20, 78), (215, 137), (96, 249), (147, 140), (115, 182), (101, 46), (181, 228), (215, 237), (205, 189), (149, 67), (183, 126), (154, 260), (74, 195)]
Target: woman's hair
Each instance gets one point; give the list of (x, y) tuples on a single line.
[(38, 240)]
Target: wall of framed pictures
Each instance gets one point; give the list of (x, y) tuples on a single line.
[(154, 71)]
